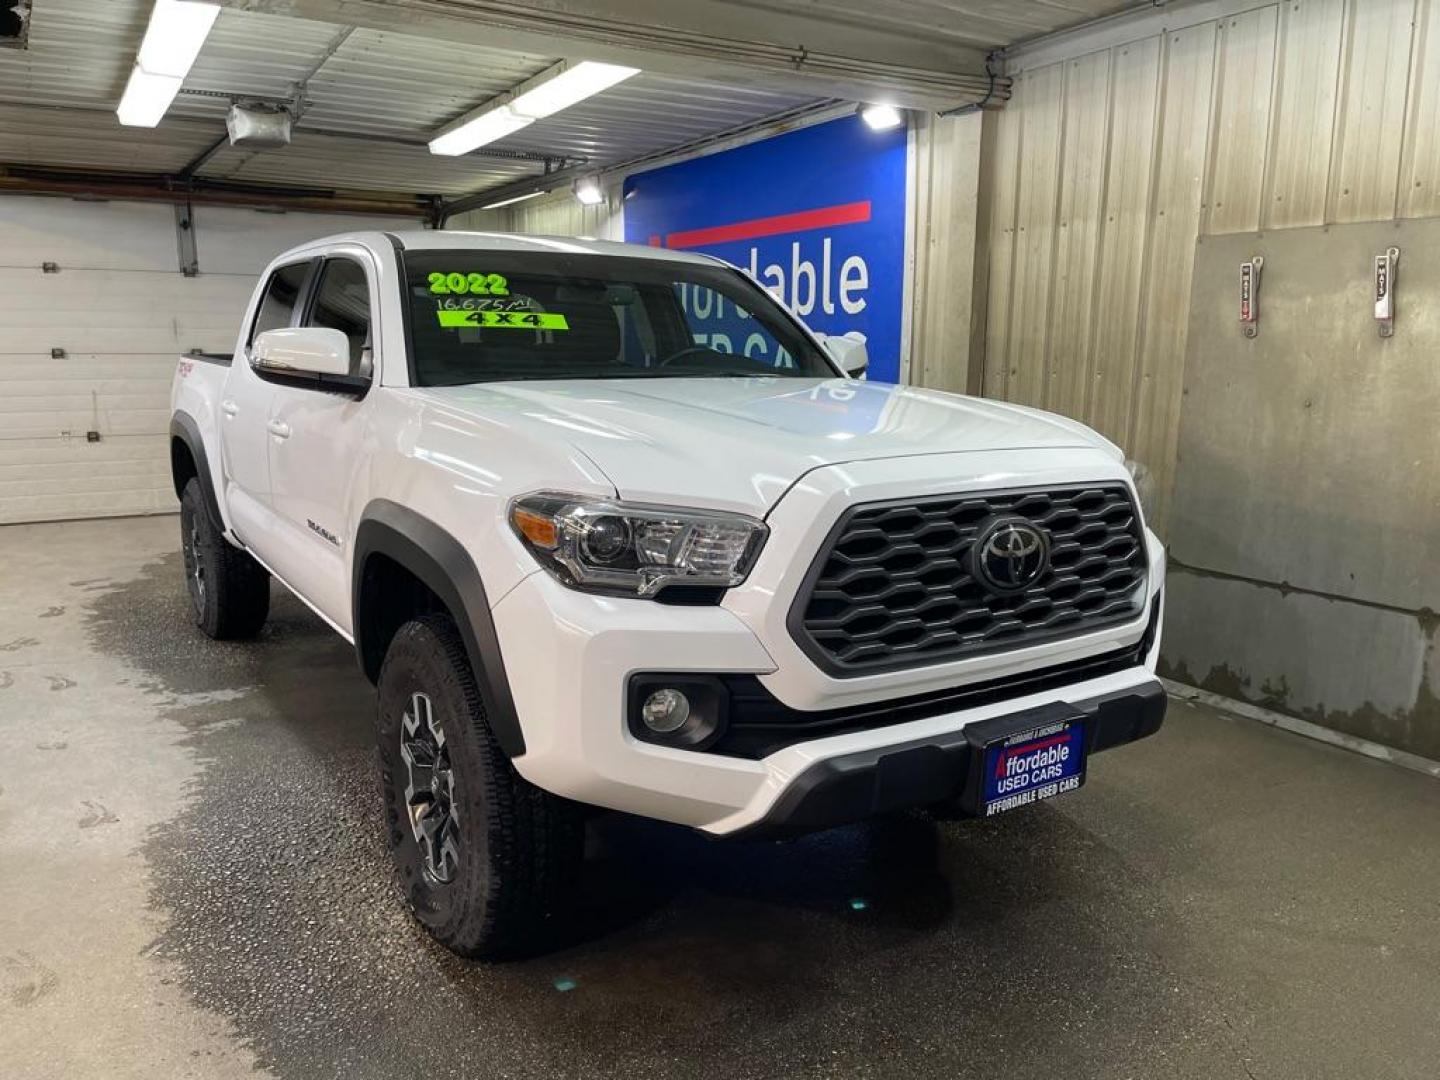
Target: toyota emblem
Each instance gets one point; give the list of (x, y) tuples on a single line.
[(1011, 554)]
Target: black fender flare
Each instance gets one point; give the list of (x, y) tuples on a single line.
[(184, 428), (446, 568)]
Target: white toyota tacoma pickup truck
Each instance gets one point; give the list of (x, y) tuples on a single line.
[(609, 527)]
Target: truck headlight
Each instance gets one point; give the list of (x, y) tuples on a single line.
[(625, 549)]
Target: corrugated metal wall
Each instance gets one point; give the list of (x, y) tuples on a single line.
[(1110, 163), (556, 214), (947, 314)]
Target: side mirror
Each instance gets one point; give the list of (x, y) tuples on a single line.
[(303, 350), (848, 350)]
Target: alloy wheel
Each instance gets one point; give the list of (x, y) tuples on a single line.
[(194, 568), (430, 789)]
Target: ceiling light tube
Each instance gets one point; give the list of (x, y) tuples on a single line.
[(556, 88), (177, 30), (173, 39), (146, 98), (476, 132), (512, 200), (569, 87)]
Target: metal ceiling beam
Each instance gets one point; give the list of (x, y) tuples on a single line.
[(299, 92), (800, 53), (195, 164), (499, 153), (34, 180), (1141, 19)]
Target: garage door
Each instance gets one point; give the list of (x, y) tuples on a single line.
[(93, 310)]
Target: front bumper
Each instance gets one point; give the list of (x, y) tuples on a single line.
[(569, 657), (923, 772)]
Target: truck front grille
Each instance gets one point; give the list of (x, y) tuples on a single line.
[(896, 583)]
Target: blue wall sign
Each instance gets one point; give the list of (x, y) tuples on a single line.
[(816, 215)]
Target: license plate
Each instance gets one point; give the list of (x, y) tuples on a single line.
[(1038, 763)]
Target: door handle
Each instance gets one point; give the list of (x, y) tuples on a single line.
[(278, 428), (229, 408)]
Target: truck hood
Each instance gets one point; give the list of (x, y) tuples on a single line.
[(740, 443)]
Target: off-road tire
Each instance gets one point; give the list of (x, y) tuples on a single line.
[(519, 848), (230, 597)]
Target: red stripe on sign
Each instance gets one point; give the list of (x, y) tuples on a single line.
[(824, 217), (1027, 748)]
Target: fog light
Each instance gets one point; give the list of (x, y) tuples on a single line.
[(665, 711), (681, 711)]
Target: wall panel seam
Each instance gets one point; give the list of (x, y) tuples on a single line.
[(1271, 109), (1414, 58), (1052, 289), (1087, 398), (1342, 109), (1019, 154), (1217, 94), (1157, 149)]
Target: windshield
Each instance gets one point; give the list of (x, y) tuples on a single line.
[(484, 316)]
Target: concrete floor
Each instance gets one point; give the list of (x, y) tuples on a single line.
[(193, 883)]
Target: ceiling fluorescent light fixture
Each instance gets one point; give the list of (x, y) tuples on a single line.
[(177, 31), (146, 98), (512, 200), (569, 87), (881, 117), (474, 133), (552, 90)]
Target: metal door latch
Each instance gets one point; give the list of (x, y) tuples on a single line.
[(1385, 266), (1250, 295)]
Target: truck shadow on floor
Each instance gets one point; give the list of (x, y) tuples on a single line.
[(687, 956)]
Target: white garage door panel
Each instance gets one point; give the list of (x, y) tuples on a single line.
[(26, 367), (92, 235), (54, 478), (103, 311), (110, 418), (113, 395), (123, 463), (121, 310)]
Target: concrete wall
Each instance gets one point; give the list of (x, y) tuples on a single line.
[(1299, 472), (1307, 491)]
